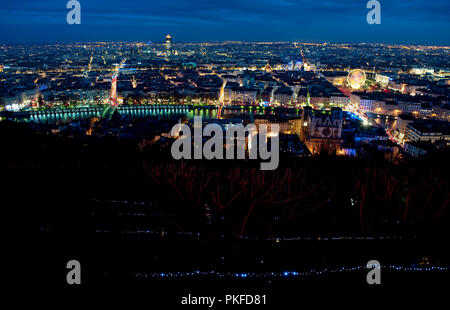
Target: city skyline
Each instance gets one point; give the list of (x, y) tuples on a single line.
[(412, 22)]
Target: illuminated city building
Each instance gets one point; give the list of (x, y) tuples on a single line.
[(283, 96), (291, 125), (442, 112), (427, 130), (402, 121), (169, 49), (322, 130), (382, 79)]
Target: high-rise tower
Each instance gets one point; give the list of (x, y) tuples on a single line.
[(169, 45)]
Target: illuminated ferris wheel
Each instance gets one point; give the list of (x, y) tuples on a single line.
[(356, 78)]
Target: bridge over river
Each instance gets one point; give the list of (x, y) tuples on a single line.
[(55, 114)]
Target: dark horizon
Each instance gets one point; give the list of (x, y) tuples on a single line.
[(416, 22)]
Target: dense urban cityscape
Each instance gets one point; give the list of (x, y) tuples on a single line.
[(386, 99)]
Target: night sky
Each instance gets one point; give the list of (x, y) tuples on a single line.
[(402, 21)]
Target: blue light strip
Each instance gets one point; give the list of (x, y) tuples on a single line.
[(284, 274)]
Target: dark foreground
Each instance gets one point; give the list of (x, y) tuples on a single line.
[(136, 218)]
